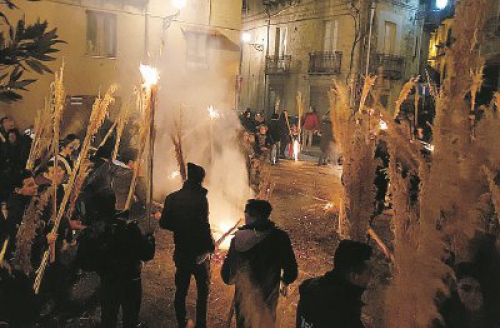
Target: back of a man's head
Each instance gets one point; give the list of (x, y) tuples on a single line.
[(259, 209), (351, 255), (105, 203), (195, 173)]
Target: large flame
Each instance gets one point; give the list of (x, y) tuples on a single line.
[(149, 75)]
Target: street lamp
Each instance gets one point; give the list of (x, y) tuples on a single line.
[(246, 37), (179, 4), (441, 4)]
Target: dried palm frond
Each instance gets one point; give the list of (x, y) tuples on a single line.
[(477, 83), (144, 133), (176, 138), (405, 92), (80, 180), (31, 225), (43, 136), (122, 120), (367, 87), (97, 116)]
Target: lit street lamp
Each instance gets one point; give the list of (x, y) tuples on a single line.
[(441, 4)]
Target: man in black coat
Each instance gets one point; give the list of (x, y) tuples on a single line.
[(259, 258), (185, 213), (117, 247), (334, 300)]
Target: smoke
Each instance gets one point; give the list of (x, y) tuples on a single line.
[(212, 142)]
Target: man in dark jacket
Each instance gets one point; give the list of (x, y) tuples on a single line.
[(185, 213), (259, 258), (325, 144), (25, 188), (118, 252), (276, 134), (334, 300)]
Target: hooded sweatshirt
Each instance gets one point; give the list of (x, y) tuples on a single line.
[(260, 256), (329, 302)]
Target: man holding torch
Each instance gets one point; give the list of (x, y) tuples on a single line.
[(185, 213)]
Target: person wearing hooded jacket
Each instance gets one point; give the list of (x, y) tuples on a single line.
[(259, 258), (334, 300), (185, 213)]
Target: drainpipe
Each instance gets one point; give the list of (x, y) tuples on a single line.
[(146, 32), (268, 11), (368, 54)]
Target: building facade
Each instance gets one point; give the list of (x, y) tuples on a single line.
[(301, 46), (442, 37), (196, 50)]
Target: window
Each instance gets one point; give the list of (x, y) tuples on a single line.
[(331, 29), (390, 38), (101, 34), (280, 41), (196, 50)]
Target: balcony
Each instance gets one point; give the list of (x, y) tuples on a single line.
[(392, 66), (325, 62), (278, 64)]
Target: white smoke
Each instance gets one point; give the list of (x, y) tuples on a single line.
[(213, 143)]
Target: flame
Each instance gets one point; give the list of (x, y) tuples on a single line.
[(174, 175), (383, 125), (150, 75), (214, 114), (328, 206), (220, 230), (296, 150)]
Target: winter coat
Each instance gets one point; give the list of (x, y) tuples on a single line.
[(311, 122), (115, 249), (326, 136), (329, 302), (185, 213), (260, 256), (275, 130)]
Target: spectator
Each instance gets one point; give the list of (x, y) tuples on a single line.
[(259, 258), (68, 150), (6, 124), (259, 120), (264, 142), (275, 134), (247, 121), (334, 300), (326, 143), (310, 125)]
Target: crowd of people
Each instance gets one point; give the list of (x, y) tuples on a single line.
[(102, 234), (280, 137)]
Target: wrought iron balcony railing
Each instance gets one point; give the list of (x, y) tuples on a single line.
[(325, 62), (278, 64), (391, 66)]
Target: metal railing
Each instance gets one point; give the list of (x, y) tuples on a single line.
[(392, 66), (278, 64), (325, 62)]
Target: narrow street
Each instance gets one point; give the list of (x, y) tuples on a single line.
[(300, 198)]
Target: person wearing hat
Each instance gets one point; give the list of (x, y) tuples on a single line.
[(334, 300), (259, 259), (185, 213)]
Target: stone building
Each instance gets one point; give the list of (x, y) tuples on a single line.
[(301, 46), (442, 37), (108, 39)]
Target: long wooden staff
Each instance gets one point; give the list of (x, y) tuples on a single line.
[(97, 117)]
